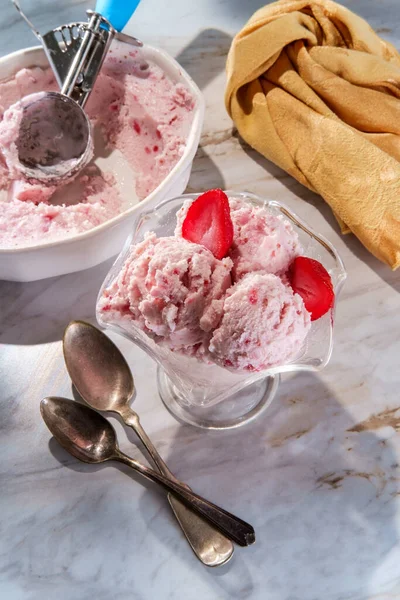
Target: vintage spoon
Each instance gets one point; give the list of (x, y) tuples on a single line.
[(103, 379), (88, 436)]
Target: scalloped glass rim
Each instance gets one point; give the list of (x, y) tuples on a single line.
[(317, 244)]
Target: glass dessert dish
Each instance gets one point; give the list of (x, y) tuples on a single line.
[(207, 395)]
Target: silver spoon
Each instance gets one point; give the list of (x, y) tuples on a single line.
[(88, 436), (103, 379)]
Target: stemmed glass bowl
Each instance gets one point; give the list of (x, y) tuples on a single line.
[(207, 395)]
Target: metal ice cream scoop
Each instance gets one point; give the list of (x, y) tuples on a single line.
[(54, 139)]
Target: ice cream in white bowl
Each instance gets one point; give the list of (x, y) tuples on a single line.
[(224, 302), (147, 115)]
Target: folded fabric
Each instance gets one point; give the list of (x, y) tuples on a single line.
[(315, 90)]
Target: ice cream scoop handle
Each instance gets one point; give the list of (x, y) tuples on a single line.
[(117, 12)]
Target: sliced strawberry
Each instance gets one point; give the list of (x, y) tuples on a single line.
[(208, 222), (312, 282)]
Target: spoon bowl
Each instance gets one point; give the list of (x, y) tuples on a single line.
[(81, 431), (97, 368)]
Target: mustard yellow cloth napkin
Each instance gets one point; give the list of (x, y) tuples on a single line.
[(314, 89)]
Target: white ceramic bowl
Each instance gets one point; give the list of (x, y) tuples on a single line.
[(92, 247)]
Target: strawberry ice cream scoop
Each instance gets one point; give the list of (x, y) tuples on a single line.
[(261, 241), (263, 325), (171, 289)]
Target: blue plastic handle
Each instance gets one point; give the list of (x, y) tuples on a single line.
[(118, 12)]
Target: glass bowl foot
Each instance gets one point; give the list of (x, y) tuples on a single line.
[(237, 410)]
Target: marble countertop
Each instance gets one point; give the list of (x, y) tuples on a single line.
[(317, 475)]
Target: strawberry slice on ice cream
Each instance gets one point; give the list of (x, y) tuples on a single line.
[(313, 283), (208, 223)]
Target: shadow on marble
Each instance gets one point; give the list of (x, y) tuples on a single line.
[(245, 9), (354, 245), (38, 312), (204, 59), (383, 271), (73, 464), (320, 496), (205, 174)]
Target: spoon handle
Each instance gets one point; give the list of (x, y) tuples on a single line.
[(210, 546), (237, 530), (131, 419)]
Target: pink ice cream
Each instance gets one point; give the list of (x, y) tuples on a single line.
[(135, 109), (262, 241), (263, 324), (181, 296), (9, 129), (23, 217), (171, 289)]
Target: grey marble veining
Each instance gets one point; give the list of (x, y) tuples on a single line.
[(318, 476)]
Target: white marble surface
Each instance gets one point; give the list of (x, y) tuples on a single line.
[(317, 475)]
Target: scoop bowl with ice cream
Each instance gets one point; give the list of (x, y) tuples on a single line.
[(223, 315)]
